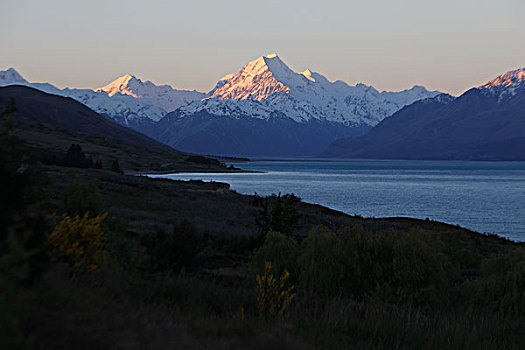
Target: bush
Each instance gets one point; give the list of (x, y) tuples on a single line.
[(284, 213), (322, 263), (281, 251), (279, 213), (80, 198), (502, 287), (273, 296), (406, 267), (176, 250), (78, 241)]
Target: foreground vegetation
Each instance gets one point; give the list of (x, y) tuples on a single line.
[(91, 258)]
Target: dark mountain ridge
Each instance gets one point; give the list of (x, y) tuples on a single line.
[(481, 124), (67, 113)]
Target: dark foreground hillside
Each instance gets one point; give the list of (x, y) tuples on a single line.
[(93, 259)]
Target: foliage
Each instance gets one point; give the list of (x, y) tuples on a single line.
[(284, 213), (80, 198), (405, 267), (98, 164), (502, 287), (21, 178), (115, 166), (175, 250), (323, 265), (280, 250), (75, 157), (279, 213), (397, 267), (273, 297), (79, 241)]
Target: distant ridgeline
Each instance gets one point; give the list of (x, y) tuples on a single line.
[(485, 123), (266, 109)]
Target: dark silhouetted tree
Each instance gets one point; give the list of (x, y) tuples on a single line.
[(116, 167), (75, 157)]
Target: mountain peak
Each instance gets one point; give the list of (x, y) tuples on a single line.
[(308, 75), (255, 81), (510, 79), (11, 76), (121, 86)]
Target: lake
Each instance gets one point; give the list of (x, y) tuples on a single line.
[(482, 196)]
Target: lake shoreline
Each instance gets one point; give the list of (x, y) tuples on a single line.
[(483, 197)]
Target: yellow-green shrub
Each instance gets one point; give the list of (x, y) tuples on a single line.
[(273, 296), (79, 241)]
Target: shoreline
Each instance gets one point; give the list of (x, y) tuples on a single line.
[(196, 171)]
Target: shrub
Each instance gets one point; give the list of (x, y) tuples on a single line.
[(176, 250), (284, 213), (273, 297), (406, 267), (502, 287), (78, 241), (409, 267), (80, 198), (322, 262), (279, 213), (281, 251)]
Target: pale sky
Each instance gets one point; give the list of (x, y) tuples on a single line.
[(448, 45)]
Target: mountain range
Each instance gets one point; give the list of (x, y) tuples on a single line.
[(127, 100), (266, 109), (484, 123)]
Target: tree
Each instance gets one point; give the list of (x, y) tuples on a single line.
[(116, 167), (75, 157), (98, 164)]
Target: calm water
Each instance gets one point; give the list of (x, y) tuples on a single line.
[(483, 196)]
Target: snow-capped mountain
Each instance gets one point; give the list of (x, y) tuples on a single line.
[(163, 96), (505, 85), (484, 123), (301, 96), (11, 76), (267, 92), (127, 100)]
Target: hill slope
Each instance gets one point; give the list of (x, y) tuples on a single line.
[(49, 124), (66, 113)]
